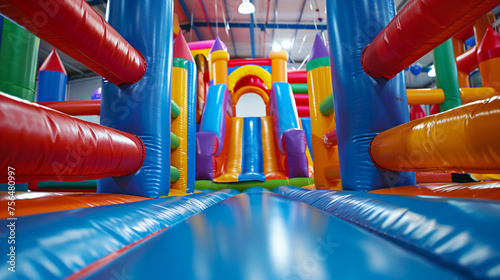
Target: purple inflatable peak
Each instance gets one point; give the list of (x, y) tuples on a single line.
[(217, 46), (318, 49)]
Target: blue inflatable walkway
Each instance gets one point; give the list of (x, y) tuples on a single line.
[(290, 233)]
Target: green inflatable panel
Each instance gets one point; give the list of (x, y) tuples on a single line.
[(299, 88), (446, 75), (241, 186), (18, 61)]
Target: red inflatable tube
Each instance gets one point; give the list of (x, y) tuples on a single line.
[(466, 33), (303, 111), (248, 61), (297, 77), (301, 99), (40, 144), (432, 177), (467, 61), (76, 29), (421, 26), (75, 108), (330, 138)]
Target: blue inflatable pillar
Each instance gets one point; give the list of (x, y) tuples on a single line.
[(192, 98), (52, 79), (143, 108), (364, 106)]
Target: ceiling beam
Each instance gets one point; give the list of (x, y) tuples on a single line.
[(82, 76), (230, 30), (191, 25), (262, 26), (206, 18), (297, 31), (97, 2)]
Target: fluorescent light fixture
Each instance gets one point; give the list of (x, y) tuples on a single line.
[(286, 44), (246, 7), (276, 47), (432, 72)]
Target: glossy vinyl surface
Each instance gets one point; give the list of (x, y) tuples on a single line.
[(270, 150), (259, 235), (67, 241), (464, 140), (218, 104), (231, 168), (322, 122), (139, 108), (19, 60), (407, 37), (42, 202), (51, 86), (446, 75), (460, 233), (283, 109), (179, 126), (76, 29), (252, 167), (75, 107), (191, 126), (424, 96), (364, 106), (43, 145), (485, 190), (306, 126)]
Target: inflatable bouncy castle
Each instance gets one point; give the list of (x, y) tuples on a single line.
[(347, 174)]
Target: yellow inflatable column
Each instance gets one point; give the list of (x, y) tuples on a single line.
[(183, 63), (319, 83), (278, 65), (218, 62)]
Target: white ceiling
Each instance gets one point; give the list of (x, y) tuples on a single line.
[(273, 12)]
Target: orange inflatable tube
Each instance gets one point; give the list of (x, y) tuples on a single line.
[(43, 202), (425, 96), (465, 139), (271, 166), (232, 164), (468, 95), (469, 190)]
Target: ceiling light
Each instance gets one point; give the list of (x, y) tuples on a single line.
[(286, 44), (276, 47), (246, 7), (432, 72)]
